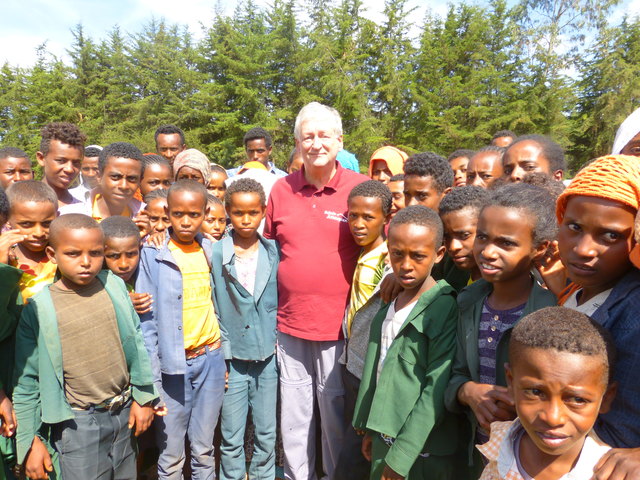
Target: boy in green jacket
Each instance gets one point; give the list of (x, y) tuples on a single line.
[(409, 433), (83, 376)]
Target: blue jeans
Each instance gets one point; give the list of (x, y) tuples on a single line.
[(96, 445), (255, 385), (193, 406)]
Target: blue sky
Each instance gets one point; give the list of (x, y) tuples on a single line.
[(25, 24)]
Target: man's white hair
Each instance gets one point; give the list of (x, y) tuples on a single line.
[(315, 110)]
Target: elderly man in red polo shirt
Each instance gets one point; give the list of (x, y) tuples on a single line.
[(306, 214)]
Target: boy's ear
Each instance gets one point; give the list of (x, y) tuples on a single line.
[(440, 252), (607, 398), (509, 377), (264, 210), (207, 210), (51, 253), (40, 158)]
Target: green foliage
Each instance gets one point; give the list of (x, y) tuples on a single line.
[(438, 84)]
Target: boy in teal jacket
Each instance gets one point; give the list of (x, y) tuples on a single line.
[(82, 372), (400, 403)]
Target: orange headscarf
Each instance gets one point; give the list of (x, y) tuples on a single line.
[(392, 156)]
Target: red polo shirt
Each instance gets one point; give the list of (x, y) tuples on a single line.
[(318, 254)]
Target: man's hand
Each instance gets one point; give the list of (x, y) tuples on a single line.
[(142, 222), (140, 418), (618, 464), (489, 403), (7, 240), (38, 461), (366, 446), (141, 302), (389, 288), (390, 474), (7, 416)]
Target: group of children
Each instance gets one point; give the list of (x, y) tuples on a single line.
[(153, 301)]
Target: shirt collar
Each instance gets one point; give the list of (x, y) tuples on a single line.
[(299, 181)]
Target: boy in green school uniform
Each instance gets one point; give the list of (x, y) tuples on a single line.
[(408, 432)]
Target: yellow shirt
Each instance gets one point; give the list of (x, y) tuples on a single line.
[(366, 277), (199, 323), (35, 279), (95, 211)]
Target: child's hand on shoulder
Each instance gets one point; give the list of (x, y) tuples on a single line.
[(141, 302), (38, 462), (552, 270), (8, 240), (618, 463), (157, 239), (390, 474), (490, 403), (140, 418)]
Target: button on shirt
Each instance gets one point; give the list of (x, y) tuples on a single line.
[(318, 254)]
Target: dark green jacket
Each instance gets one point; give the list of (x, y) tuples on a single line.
[(408, 401), (38, 395), (466, 366)]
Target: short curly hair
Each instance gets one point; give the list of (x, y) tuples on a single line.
[(158, 193), (461, 152), (14, 152), (429, 164), (550, 150), (419, 215), (169, 130), (257, 133), (563, 330), (504, 133), (31, 191), (244, 185), (373, 189), (64, 132), (119, 150), (535, 202), (468, 196), (118, 226)]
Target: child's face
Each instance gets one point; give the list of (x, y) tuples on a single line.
[(526, 157), (169, 145), (412, 254), (421, 191), (459, 167), (380, 171), (632, 147), (90, 171), (186, 211), (61, 164), (504, 248), (157, 216), (483, 169), (397, 197), (558, 396), (366, 221), (79, 255), (188, 173), (122, 256), (120, 180), (594, 241), (216, 185), (13, 169), (33, 219), (156, 176), (246, 211), (215, 222), (296, 164), (459, 235)]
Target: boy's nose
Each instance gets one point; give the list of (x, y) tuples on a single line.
[(585, 246)]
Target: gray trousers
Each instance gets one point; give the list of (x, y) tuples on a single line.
[(96, 445), (310, 372)]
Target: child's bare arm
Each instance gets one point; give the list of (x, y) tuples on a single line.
[(140, 418), (38, 461), (618, 464), (366, 446), (489, 403), (389, 474)]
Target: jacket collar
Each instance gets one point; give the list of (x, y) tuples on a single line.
[(164, 255)]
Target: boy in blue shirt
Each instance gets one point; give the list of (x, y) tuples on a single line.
[(244, 266)]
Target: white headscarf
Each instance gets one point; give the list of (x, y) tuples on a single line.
[(628, 129)]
